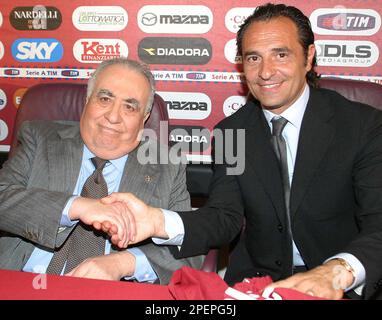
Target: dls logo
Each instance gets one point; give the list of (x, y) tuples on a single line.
[(187, 105), (98, 50), (346, 53), (175, 19), (165, 50), (344, 21), (37, 50), (35, 18)]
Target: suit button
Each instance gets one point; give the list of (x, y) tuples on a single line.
[(258, 274), (278, 262), (280, 228)]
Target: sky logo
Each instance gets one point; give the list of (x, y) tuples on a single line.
[(37, 50)]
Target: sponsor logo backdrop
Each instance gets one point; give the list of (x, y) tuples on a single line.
[(190, 46)]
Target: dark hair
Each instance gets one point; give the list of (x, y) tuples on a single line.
[(271, 11)]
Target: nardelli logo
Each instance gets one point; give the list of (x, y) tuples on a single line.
[(38, 17)]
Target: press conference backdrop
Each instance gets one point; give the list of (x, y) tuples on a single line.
[(189, 44)]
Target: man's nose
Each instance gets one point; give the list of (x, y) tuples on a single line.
[(113, 113), (267, 69)]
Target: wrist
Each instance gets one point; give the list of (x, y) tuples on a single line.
[(159, 223), (344, 272)]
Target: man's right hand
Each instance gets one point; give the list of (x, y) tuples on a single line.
[(149, 221), (113, 218)]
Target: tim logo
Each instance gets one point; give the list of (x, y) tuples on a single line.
[(343, 21), (37, 50)]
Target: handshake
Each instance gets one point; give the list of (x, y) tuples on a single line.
[(124, 217)]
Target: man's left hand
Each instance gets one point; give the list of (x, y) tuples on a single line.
[(326, 281), (113, 266)]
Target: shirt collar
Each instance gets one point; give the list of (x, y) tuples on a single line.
[(119, 163), (295, 112)]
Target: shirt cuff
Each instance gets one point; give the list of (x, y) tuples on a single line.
[(174, 227), (359, 270), (65, 220), (143, 270)]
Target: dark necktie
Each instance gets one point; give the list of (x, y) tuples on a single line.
[(279, 147), (84, 242)]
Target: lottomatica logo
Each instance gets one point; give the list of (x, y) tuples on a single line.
[(98, 50), (1, 50), (344, 21), (100, 18), (175, 19), (232, 104), (345, 53), (166, 50), (230, 52), (38, 17), (3, 99), (235, 17), (37, 50), (187, 105)]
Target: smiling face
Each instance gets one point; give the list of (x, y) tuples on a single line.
[(274, 63), (115, 112)]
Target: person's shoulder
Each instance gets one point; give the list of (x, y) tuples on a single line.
[(343, 104), (45, 127)]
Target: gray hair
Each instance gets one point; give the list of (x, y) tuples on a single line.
[(132, 65)]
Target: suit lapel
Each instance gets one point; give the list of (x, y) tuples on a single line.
[(316, 135), (260, 158), (138, 178), (64, 158)]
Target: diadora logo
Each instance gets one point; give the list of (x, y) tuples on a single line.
[(35, 18), (194, 51), (1, 50), (191, 138), (232, 104), (344, 21), (344, 53), (175, 19), (187, 105), (37, 50), (230, 52), (3, 99), (100, 18), (98, 50), (235, 17)]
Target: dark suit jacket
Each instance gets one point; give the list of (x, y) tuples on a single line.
[(336, 193)]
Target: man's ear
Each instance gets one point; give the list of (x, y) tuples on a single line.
[(310, 56)]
